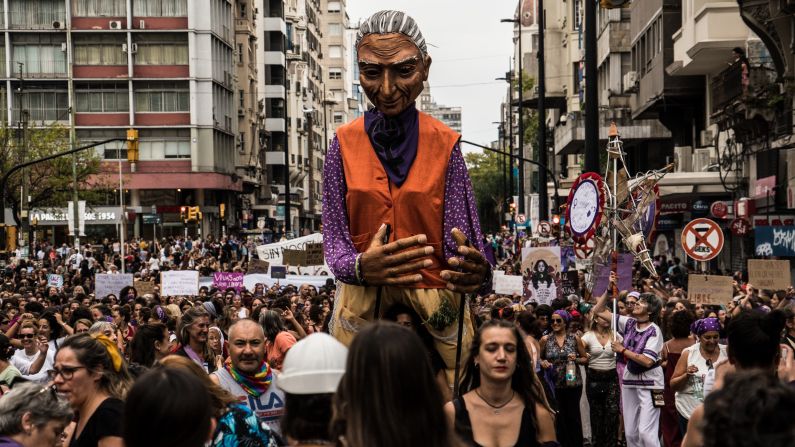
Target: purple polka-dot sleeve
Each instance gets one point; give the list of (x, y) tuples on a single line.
[(460, 208), (337, 244)]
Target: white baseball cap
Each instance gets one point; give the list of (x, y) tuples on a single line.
[(314, 365)]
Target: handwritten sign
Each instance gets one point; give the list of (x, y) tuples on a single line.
[(314, 253), (710, 289), (108, 283), (273, 252), (570, 283), (258, 266), (179, 282), (769, 274), (508, 284), (294, 257), (228, 280), (54, 281), (144, 287)]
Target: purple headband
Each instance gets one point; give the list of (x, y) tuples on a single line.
[(563, 314), (704, 325)]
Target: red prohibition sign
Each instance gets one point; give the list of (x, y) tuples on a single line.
[(702, 239)]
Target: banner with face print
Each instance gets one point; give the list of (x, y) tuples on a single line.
[(541, 272)]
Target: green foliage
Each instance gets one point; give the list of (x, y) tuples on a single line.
[(486, 175), (49, 183)]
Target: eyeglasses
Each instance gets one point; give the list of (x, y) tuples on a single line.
[(67, 372), (23, 336), (556, 321)]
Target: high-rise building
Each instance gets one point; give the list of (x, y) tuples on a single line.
[(450, 116), (164, 67)]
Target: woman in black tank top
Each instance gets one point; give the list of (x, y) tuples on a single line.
[(502, 402)]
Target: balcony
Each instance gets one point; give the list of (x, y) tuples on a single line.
[(274, 24), (729, 87), (703, 45), (274, 91), (274, 124), (274, 58), (244, 26), (570, 136)]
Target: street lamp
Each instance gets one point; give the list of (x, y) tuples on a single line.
[(509, 79), (521, 123)]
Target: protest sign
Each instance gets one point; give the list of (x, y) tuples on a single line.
[(258, 266), (294, 257), (54, 281), (228, 280), (769, 274), (111, 283), (570, 283), (278, 272), (624, 272), (314, 254), (710, 289), (179, 282), (541, 271), (144, 287), (273, 253), (508, 284)]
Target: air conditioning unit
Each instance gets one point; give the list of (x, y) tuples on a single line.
[(58, 24), (114, 24), (683, 158), (706, 138), (630, 81), (701, 159), (142, 24)]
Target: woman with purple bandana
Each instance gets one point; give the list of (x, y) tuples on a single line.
[(643, 376), (693, 366)]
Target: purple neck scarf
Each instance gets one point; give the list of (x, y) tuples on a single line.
[(394, 140)]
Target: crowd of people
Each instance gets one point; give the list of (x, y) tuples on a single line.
[(258, 368)]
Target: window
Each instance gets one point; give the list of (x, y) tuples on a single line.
[(161, 49), (160, 8), (42, 105), (334, 7), (39, 54), (334, 29), (335, 51), (26, 14), (339, 117), (335, 73), (241, 94), (240, 53), (162, 97), (99, 8), (94, 98), (96, 50)]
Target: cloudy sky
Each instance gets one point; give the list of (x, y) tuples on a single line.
[(469, 47)]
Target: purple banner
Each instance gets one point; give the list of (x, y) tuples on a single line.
[(624, 267), (228, 280)]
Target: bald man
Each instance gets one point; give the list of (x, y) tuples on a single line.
[(247, 375)]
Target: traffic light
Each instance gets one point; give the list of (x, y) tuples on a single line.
[(222, 209), (192, 213), (132, 145), (198, 213), (183, 213)]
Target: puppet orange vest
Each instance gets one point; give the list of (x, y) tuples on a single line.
[(417, 207)]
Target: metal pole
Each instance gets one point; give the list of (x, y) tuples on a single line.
[(287, 214), (591, 93), (122, 228), (511, 189), (73, 139), (460, 335), (521, 115), (543, 196), (614, 203)]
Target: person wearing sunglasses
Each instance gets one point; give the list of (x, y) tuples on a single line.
[(557, 350), (33, 360), (693, 366), (643, 382), (32, 416)]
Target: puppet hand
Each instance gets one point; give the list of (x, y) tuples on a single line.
[(396, 263), (473, 268)]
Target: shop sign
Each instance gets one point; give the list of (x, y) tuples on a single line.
[(719, 209), (774, 220), (669, 222), (59, 216), (700, 207), (678, 206), (764, 186), (151, 219), (775, 241), (740, 227)]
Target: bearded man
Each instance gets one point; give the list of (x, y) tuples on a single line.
[(399, 217)]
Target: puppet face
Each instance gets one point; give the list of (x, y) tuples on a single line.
[(391, 71)]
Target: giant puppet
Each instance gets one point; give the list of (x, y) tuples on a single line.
[(400, 222)]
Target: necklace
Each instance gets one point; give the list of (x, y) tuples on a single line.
[(497, 408)]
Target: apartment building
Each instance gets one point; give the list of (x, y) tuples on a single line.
[(337, 63), (450, 116), (160, 66)]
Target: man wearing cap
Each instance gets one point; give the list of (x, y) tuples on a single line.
[(399, 174), (248, 377), (310, 375)]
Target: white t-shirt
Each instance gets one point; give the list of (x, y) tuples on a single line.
[(692, 395), (22, 362), (602, 356), (647, 341), (269, 406)]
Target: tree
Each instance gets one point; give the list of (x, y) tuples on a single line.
[(49, 184), (486, 175)]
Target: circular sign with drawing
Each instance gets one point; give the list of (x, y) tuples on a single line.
[(584, 206), (521, 219), (702, 239), (740, 227), (719, 209), (544, 229)]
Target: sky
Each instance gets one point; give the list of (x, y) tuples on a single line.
[(469, 47)]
